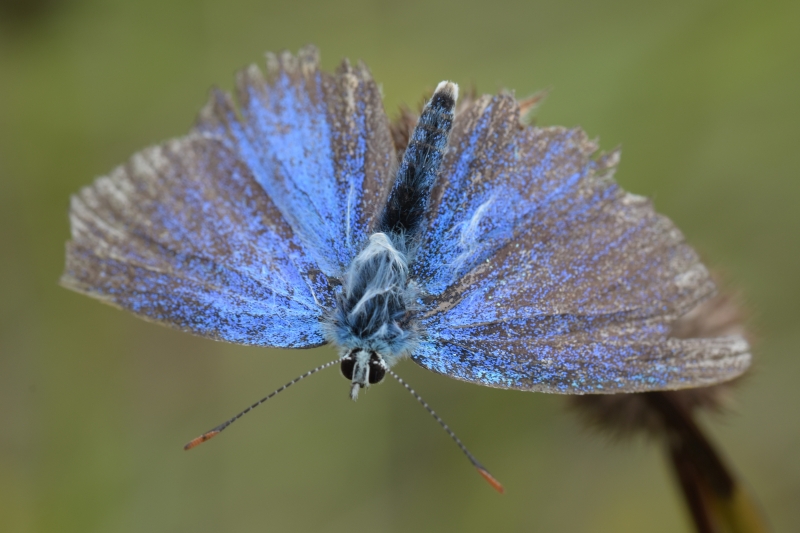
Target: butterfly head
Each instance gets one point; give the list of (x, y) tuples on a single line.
[(363, 368)]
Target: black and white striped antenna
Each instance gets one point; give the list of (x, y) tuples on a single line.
[(219, 429), (481, 469)]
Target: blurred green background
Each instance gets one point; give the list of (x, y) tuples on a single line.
[(96, 404)]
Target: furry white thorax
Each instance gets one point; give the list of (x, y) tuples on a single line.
[(386, 272), (374, 307)]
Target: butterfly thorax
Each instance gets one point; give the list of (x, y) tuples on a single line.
[(374, 315)]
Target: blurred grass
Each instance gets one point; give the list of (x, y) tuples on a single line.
[(95, 404)]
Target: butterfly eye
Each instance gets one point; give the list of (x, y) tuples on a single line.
[(348, 365), (376, 373)]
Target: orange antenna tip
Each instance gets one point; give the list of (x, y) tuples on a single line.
[(217, 430), (492, 481), (485, 473), (201, 439)]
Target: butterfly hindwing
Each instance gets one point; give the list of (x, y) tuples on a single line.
[(543, 274), (320, 145), (480, 154)]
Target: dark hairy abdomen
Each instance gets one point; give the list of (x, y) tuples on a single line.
[(405, 209)]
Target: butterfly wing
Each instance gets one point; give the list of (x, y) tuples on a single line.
[(320, 146), (183, 234), (230, 232), (605, 362), (543, 274)]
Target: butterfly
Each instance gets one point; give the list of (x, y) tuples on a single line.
[(489, 251)]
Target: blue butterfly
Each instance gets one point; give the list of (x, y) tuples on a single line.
[(493, 252)]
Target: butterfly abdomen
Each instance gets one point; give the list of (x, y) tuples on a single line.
[(408, 200)]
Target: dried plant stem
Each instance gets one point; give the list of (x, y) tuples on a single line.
[(716, 500)]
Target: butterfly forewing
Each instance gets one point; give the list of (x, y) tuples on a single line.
[(233, 232), (543, 274), (183, 234), (573, 366)]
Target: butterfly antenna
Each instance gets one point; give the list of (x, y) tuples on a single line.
[(481, 469), (217, 430)]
